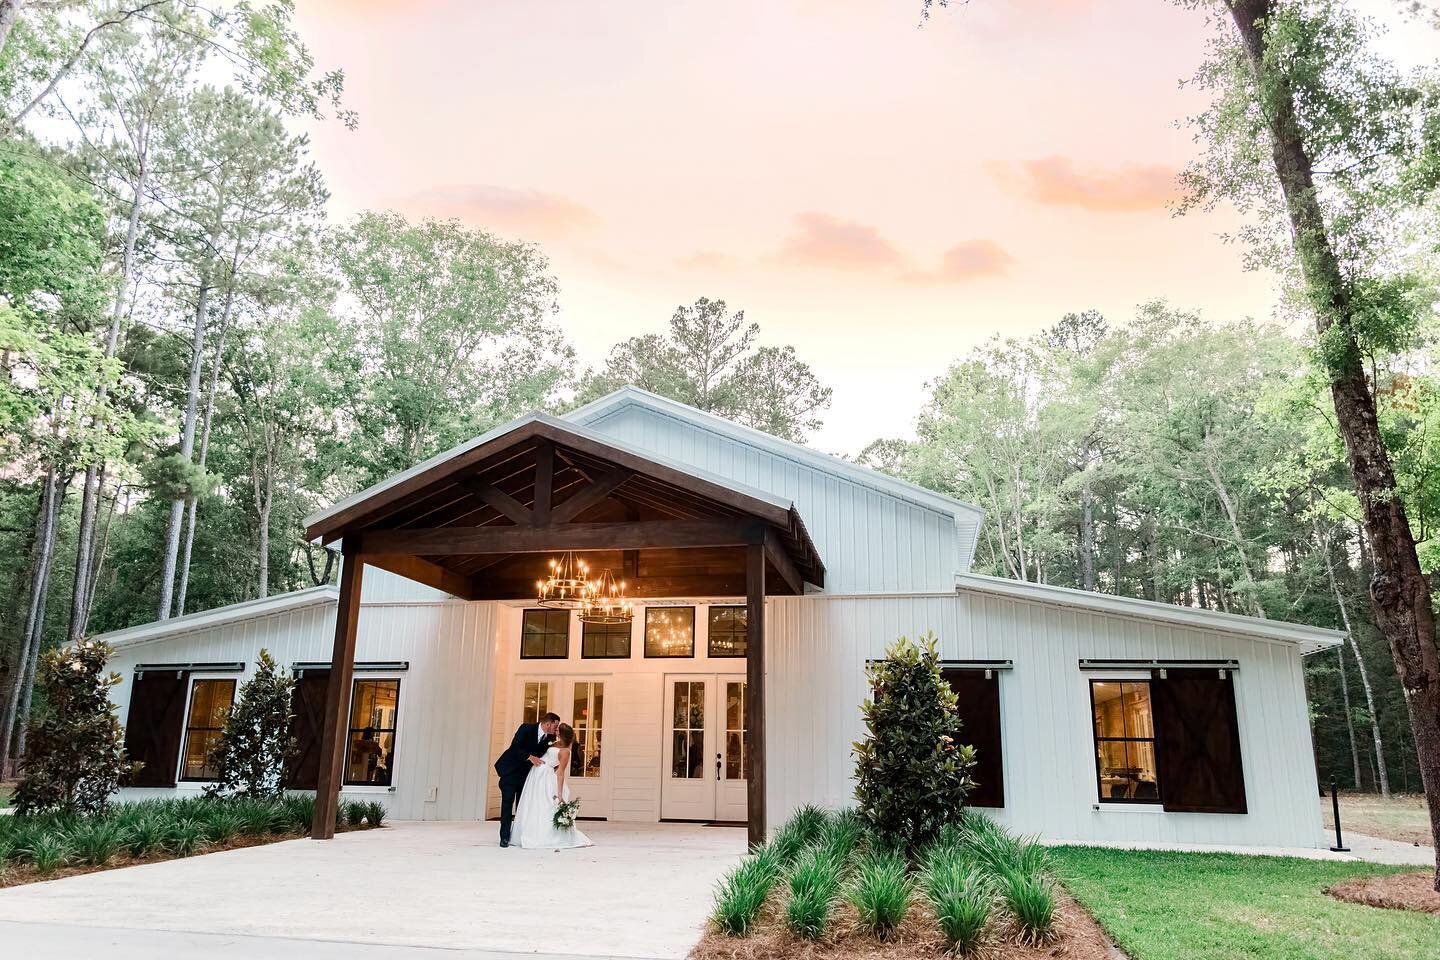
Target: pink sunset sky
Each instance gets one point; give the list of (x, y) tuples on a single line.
[(880, 194)]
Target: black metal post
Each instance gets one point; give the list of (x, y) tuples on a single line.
[(1335, 806)]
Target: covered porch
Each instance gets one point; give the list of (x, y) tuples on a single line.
[(481, 522)]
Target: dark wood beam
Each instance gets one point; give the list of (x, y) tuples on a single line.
[(422, 571), (544, 484), (583, 500), (637, 588), (337, 694), (646, 535), (755, 690), (516, 511), (782, 563)]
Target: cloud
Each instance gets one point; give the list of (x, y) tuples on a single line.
[(1054, 181), (504, 209), (825, 241), (967, 260), (707, 260)]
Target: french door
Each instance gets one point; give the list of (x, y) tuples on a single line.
[(703, 777), (580, 702)]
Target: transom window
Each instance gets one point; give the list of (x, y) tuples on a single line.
[(604, 641), (669, 631), (545, 635), (587, 719), (1124, 741), (374, 706), (210, 702), (727, 632)]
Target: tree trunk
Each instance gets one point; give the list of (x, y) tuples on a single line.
[(9, 13), (1381, 773), (1226, 501), (1398, 588), (187, 447), (1087, 539), (19, 694), (192, 504), (100, 554)]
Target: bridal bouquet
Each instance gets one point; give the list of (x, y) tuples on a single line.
[(565, 814)]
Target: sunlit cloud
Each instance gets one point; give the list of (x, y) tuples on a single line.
[(707, 260), (967, 260), (525, 213), (1055, 181), (821, 240)]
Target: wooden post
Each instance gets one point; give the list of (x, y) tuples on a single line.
[(337, 694), (755, 689)]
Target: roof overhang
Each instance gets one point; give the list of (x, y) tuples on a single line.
[(475, 520), (233, 613), (1309, 639)]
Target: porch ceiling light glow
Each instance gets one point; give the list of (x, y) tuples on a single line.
[(605, 601), (567, 585)]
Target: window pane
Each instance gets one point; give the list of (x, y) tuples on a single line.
[(605, 640), (374, 704), (374, 708), (1109, 710), (537, 702), (1138, 721), (544, 634), (1125, 741), (371, 758), (210, 702), (734, 757), (680, 761), (670, 631), (727, 631), (587, 717)]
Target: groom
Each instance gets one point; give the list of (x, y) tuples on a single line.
[(526, 749)]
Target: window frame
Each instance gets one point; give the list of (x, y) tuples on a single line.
[(710, 631), (629, 643), (185, 728), (345, 781), (1156, 802), (545, 610), (645, 635), (590, 728)]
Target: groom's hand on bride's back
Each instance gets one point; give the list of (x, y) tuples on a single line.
[(535, 761)]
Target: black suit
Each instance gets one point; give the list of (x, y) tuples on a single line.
[(514, 766)]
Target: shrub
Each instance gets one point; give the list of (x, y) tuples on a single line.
[(96, 841), (375, 813), (881, 891), (185, 836), (814, 884), (744, 890), (255, 744), (47, 852), (912, 773), (76, 755), (1031, 898), (355, 813)]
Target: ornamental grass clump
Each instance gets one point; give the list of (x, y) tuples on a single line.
[(814, 886), (185, 836), (375, 813), (1031, 898), (355, 814), (799, 832), (299, 810), (47, 852), (840, 835), (912, 773), (148, 835), (96, 842), (880, 891), (961, 895), (743, 892), (221, 825)]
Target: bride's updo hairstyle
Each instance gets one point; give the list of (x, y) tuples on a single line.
[(565, 735)]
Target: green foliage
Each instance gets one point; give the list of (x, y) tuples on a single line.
[(963, 911), (185, 836), (255, 743), (374, 813), (148, 835), (95, 842), (47, 852), (76, 754), (880, 891), (1031, 898), (814, 885), (354, 813), (911, 770), (800, 831), (221, 825), (743, 891), (299, 809)]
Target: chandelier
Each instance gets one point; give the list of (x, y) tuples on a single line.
[(567, 585), (605, 601)]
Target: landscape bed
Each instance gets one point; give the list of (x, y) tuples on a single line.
[(50, 846)]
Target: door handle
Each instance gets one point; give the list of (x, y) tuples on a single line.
[(717, 766)]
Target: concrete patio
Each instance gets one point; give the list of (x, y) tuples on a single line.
[(410, 890)]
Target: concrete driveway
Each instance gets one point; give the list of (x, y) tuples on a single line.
[(410, 890)]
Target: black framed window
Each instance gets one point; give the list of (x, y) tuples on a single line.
[(604, 641), (545, 635), (210, 702), (727, 632), (669, 631), (374, 708), (1125, 769)]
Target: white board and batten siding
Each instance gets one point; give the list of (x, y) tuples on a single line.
[(875, 534), (443, 722), (816, 654)]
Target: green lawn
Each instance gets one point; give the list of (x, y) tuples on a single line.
[(1217, 906)]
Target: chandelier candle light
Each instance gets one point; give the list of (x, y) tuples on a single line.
[(605, 601), (567, 585)]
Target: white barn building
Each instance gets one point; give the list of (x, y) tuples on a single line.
[(1097, 718)]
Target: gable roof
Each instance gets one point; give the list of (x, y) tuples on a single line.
[(1310, 639), (630, 395), (235, 612)]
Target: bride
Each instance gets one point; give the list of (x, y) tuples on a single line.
[(544, 788)]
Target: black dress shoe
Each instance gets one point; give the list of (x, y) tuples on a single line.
[(504, 843)]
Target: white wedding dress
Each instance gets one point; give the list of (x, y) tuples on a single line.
[(534, 827)]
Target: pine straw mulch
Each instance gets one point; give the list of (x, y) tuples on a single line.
[(1077, 937), (16, 875), (1396, 891)]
